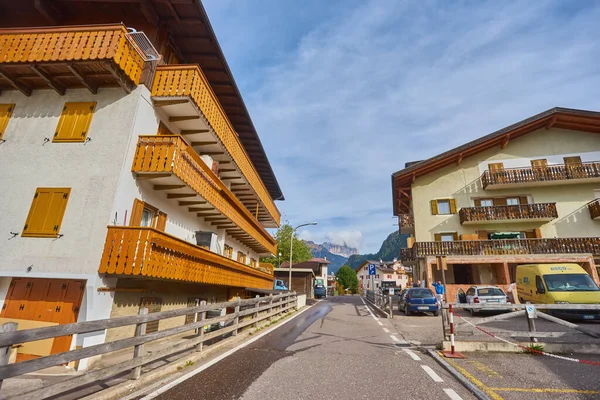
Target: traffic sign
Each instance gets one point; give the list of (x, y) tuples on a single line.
[(372, 269), (391, 291), (531, 311)]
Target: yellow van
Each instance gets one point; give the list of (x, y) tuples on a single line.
[(558, 284)]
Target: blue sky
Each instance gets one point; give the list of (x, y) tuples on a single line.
[(343, 93)]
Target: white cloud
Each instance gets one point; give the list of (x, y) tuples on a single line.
[(350, 238), (345, 101)]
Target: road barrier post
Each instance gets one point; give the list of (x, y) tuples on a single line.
[(391, 306), (452, 353)]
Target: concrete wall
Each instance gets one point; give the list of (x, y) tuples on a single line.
[(463, 184)]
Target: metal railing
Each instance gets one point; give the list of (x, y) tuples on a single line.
[(544, 211), (381, 301), (406, 221), (255, 310), (594, 207)]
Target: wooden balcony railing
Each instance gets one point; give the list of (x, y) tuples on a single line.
[(407, 221), (267, 267), (188, 80), (507, 247), (171, 154), (594, 207), (541, 174), (407, 255), (141, 251), (545, 211), (79, 56)]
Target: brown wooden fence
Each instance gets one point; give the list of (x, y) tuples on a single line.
[(252, 308)]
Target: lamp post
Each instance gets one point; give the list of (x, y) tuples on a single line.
[(291, 247)]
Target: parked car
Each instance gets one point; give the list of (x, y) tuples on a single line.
[(486, 295), (279, 285), (320, 291), (418, 300)]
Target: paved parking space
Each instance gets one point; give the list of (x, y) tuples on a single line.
[(524, 376)]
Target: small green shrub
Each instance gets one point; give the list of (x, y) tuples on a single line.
[(535, 349)]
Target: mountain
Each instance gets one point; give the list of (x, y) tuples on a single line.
[(322, 251), (341, 250), (390, 249)]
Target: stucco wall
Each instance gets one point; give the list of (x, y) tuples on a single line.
[(463, 184)]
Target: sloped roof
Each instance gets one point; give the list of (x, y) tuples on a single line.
[(565, 118)]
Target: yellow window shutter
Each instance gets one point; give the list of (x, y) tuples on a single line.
[(455, 235), (162, 221), (434, 207), (437, 237), (5, 113), (74, 122), (46, 212), (452, 206), (136, 213)]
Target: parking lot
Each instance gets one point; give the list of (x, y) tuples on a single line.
[(512, 375)]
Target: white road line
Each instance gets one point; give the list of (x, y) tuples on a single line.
[(386, 330), (215, 360), (452, 394), (394, 338), (379, 322), (412, 355), (432, 374)]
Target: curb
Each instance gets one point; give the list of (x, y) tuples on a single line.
[(464, 381)]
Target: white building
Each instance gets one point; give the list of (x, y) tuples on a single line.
[(387, 271)]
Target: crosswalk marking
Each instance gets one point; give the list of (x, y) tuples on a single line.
[(452, 394), (432, 374)]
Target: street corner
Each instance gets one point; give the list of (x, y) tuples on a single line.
[(526, 376)]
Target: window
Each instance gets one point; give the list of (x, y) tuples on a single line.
[(228, 252), (241, 257), (253, 263), (143, 214), (486, 202), (377, 276), (496, 167), (5, 113), (513, 201), (74, 122), (446, 237), (443, 206), (46, 212)]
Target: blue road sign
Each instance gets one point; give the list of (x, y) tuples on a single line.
[(372, 269)]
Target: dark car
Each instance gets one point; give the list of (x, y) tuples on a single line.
[(320, 291), (418, 300)]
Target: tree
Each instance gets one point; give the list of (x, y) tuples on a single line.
[(300, 252), (346, 276)]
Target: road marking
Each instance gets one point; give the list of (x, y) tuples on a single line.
[(546, 390), (394, 338), (493, 395), (379, 322), (485, 369), (412, 355), (215, 360), (452, 394), (432, 374), (386, 330)]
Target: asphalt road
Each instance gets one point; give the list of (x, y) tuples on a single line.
[(338, 349)]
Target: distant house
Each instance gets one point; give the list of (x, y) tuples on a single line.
[(387, 271), (305, 275)]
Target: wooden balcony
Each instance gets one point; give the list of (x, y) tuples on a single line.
[(75, 57), (507, 247), (594, 207), (135, 251), (407, 223), (541, 176), (407, 256), (171, 166), (184, 94), (506, 214)]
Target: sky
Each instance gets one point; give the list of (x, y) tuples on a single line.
[(343, 93)]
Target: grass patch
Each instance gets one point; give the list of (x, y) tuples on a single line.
[(535, 349), (188, 363)]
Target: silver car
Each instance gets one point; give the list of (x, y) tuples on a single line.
[(486, 295)]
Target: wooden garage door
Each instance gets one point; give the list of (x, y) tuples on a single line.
[(45, 300)]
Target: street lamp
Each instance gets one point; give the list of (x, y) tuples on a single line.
[(291, 246)]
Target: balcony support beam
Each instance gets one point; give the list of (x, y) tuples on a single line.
[(164, 103), (200, 209), (184, 118), (82, 78), (168, 187), (191, 203), (145, 177), (194, 131), (58, 88), (48, 10), (196, 144), (180, 195), (26, 90)]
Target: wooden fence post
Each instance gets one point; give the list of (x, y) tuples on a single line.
[(5, 351), (201, 317), (255, 315), (140, 330), (236, 321), (270, 308)]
